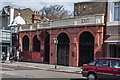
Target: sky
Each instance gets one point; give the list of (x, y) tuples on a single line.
[(36, 5)]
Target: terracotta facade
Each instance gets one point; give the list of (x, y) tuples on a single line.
[(73, 34), (89, 22)]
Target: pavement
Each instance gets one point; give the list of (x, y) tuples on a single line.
[(47, 67)]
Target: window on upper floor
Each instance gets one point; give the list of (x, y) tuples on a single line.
[(117, 11)]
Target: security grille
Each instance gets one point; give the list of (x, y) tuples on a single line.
[(63, 50), (86, 48)]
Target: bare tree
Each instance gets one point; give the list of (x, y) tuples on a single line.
[(54, 12)]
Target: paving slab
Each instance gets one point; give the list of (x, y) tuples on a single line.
[(42, 66)]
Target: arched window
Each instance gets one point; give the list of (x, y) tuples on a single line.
[(63, 49), (25, 43), (36, 44)]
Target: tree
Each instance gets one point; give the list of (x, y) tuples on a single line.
[(54, 12)]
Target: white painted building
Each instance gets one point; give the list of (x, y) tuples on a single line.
[(6, 18), (113, 29)]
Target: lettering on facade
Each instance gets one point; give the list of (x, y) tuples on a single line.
[(85, 21), (34, 27), (44, 25), (26, 27)]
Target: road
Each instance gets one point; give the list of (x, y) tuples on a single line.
[(25, 73)]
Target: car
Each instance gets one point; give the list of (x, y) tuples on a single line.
[(102, 68)]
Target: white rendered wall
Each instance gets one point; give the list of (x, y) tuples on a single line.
[(11, 15), (110, 18)]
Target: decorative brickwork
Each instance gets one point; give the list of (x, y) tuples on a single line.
[(88, 23), (73, 34)]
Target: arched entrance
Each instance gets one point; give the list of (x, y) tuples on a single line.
[(63, 49), (25, 43), (47, 49), (86, 48), (45, 37)]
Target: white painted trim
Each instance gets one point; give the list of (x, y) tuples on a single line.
[(114, 41), (113, 0), (110, 14), (113, 23)]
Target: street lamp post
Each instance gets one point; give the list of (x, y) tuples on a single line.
[(56, 42)]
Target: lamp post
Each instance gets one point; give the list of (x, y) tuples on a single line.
[(56, 42)]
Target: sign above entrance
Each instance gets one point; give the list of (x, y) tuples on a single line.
[(79, 21)]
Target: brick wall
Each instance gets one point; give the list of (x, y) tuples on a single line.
[(89, 8), (26, 14), (73, 34)]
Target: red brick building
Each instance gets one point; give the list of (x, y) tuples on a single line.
[(28, 17), (80, 40), (77, 43), (36, 17)]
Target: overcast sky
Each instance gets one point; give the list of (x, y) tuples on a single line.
[(38, 4)]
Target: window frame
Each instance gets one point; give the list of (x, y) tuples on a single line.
[(116, 6), (103, 66), (95, 61), (111, 63)]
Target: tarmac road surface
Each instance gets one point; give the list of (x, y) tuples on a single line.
[(25, 73)]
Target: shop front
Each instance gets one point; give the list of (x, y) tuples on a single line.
[(5, 44), (113, 30), (113, 46)]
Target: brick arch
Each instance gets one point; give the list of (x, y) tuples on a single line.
[(44, 31), (84, 30), (35, 35), (70, 41), (28, 39), (63, 31), (25, 34), (39, 33), (78, 36)]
